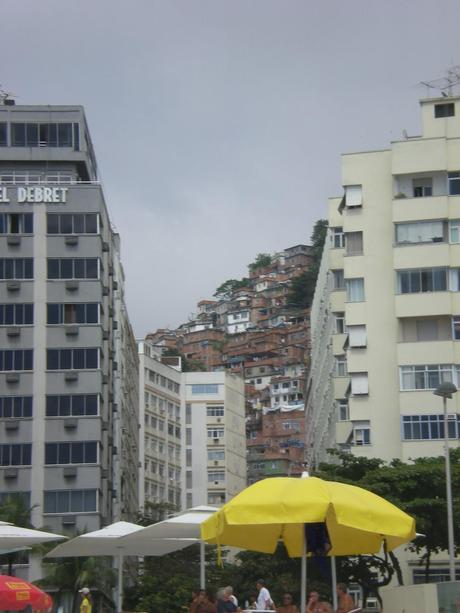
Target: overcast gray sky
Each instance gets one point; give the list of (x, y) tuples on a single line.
[(218, 125)]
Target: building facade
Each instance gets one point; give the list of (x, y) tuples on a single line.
[(68, 364), (214, 451)]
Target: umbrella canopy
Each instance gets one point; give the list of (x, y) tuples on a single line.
[(12, 537), (113, 541), (284, 508), (16, 594)]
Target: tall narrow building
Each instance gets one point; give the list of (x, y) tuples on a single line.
[(68, 360), (386, 312)]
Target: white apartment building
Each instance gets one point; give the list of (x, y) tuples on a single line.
[(385, 318), (386, 313), (160, 428), (214, 453)]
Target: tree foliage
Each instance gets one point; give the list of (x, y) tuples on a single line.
[(232, 285), (262, 260)]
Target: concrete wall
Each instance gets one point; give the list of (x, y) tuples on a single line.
[(410, 599)]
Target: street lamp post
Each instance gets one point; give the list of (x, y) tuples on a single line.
[(446, 390)]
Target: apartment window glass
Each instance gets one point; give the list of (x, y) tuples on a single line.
[(361, 435), (216, 475), (429, 427), (205, 389), (355, 290), (188, 457), (72, 223), (215, 411), (16, 223), (16, 268), (72, 405), (216, 455), (456, 328), (16, 359), (422, 187), (339, 321), (444, 110), (15, 406), (215, 432), (337, 238), (3, 134), (188, 413), (341, 366), (420, 232), (338, 281), (344, 413), (74, 452), (41, 135), (70, 501), (69, 359), (16, 314), (422, 280), (73, 268), (453, 180), (354, 243), (16, 454), (426, 377), (78, 313)]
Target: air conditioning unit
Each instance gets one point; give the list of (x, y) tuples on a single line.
[(219, 420), (216, 462)]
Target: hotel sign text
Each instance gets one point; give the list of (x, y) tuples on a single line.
[(35, 194)]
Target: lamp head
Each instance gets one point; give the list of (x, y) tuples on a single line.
[(446, 389)]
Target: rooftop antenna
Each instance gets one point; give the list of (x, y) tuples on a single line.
[(447, 85), (6, 96)]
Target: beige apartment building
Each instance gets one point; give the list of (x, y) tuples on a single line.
[(386, 314)]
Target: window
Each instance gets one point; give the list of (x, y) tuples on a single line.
[(16, 223), (215, 432), (41, 135), (16, 359), (188, 413), (355, 290), (357, 336), (427, 329), (205, 389), (361, 435), (454, 231), (456, 328), (16, 406), (421, 232), (79, 313), (453, 181), (353, 195), (70, 501), (339, 322), (77, 405), (354, 243), (16, 268), (16, 314), (216, 455), (72, 223), (337, 238), (422, 187), (75, 452), (72, 359), (422, 280), (429, 427), (444, 110), (73, 268), (3, 134), (341, 366), (344, 413), (359, 383), (338, 279), (216, 475), (217, 411), (16, 454), (188, 436), (427, 377)]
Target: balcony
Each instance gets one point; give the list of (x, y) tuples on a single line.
[(446, 352), (426, 304)]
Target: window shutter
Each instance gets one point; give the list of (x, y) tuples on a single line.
[(359, 384), (353, 195)]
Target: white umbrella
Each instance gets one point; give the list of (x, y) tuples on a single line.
[(185, 525), (109, 541), (13, 537)]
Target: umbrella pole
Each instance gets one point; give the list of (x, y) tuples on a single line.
[(202, 567), (334, 583), (120, 584), (303, 575)]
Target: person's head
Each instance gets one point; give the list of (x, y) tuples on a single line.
[(260, 583), (287, 599), (342, 588), (229, 590), (84, 592), (313, 596)]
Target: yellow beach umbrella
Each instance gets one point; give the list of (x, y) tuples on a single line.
[(308, 515)]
